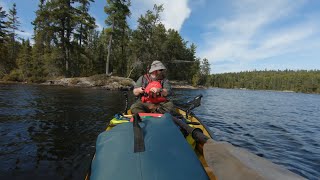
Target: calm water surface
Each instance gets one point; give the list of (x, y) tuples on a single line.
[(51, 131)]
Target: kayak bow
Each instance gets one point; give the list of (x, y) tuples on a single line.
[(163, 146)]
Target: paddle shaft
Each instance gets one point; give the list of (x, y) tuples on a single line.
[(196, 133), (226, 160)]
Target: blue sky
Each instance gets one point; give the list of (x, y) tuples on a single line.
[(234, 35)]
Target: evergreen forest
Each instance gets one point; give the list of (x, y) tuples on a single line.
[(67, 43)]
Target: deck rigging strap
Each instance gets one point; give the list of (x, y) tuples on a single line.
[(138, 135)]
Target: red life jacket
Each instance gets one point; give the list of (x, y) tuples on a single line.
[(149, 96)]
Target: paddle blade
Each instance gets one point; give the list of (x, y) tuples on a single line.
[(230, 162), (195, 102)]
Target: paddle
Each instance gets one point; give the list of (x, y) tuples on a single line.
[(196, 102), (230, 162)]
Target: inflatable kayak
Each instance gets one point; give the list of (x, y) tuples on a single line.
[(173, 146)]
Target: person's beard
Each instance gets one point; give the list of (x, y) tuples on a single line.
[(161, 75), (158, 76)]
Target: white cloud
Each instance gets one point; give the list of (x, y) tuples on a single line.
[(99, 24), (25, 34), (256, 30), (174, 14), (288, 36)]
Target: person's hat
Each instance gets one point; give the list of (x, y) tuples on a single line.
[(156, 65)]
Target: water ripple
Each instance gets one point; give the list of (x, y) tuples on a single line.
[(282, 127), (51, 131)]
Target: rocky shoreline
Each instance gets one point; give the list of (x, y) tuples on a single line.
[(102, 81), (183, 85)]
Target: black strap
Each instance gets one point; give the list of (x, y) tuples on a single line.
[(138, 134), (142, 82), (146, 77), (162, 82)]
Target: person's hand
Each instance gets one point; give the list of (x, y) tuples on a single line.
[(155, 90), (141, 90), (138, 91)]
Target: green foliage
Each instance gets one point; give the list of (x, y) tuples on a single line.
[(65, 43), (97, 47), (146, 40), (205, 72), (15, 75), (152, 41), (64, 51), (195, 79), (4, 65), (24, 60), (13, 22), (12, 47), (118, 33), (288, 80), (37, 79), (85, 23)]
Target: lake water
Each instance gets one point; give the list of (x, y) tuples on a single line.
[(50, 132)]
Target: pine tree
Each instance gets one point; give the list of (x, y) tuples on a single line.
[(13, 23), (12, 26), (118, 33), (60, 16), (175, 49), (100, 53), (3, 28), (84, 22), (62, 29), (24, 60), (44, 43), (143, 48), (3, 43), (41, 51), (205, 72)]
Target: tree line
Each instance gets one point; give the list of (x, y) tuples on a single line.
[(287, 80), (67, 43)]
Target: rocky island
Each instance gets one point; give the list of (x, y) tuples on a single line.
[(107, 82)]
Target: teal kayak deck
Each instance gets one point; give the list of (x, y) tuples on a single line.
[(167, 154)]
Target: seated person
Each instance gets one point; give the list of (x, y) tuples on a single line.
[(153, 90)]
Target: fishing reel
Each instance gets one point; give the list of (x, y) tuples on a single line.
[(151, 94)]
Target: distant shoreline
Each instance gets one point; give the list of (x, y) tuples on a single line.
[(288, 91), (120, 83), (100, 81)]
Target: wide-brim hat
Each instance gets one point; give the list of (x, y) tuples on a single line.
[(156, 65)]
